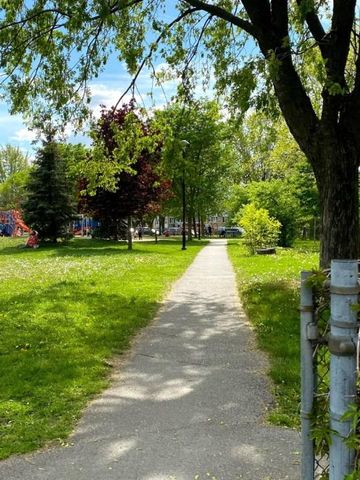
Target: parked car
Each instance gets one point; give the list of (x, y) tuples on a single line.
[(230, 232), (146, 230)]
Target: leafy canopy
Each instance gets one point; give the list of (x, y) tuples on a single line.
[(50, 49), (134, 158), (196, 150)]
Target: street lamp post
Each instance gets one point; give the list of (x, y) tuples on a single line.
[(183, 213), (185, 145), (156, 234)]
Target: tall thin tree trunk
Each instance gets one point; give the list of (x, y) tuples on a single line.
[(129, 232), (189, 226), (199, 226)]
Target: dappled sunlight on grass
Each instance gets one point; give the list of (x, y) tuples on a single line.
[(269, 289), (64, 311)]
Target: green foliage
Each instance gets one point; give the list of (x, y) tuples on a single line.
[(49, 206), (13, 190), (129, 139), (38, 41), (275, 173), (66, 310), (316, 280), (196, 150), (292, 52), (269, 287), (253, 141), (303, 185), (278, 198), (12, 160), (261, 230), (74, 157), (236, 196)]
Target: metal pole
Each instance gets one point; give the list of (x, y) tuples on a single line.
[(308, 332), (342, 345), (185, 146), (183, 212)]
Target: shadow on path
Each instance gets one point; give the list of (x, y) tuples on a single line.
[(189, 403)]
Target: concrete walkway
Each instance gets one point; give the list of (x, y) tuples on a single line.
[(188, 404)]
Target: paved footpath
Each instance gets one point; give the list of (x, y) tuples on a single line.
[(188, 404)]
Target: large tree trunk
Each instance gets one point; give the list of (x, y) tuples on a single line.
[(331, 148), (339, 204)]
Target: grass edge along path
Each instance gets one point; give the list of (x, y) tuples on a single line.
[(269, 288), (65, 311)]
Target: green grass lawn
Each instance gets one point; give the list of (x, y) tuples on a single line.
[(269, 289), (65, 310)]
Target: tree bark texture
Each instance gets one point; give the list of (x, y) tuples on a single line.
[(339, 203)]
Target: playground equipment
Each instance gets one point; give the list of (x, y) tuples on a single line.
[(12, 224), (84, 225)]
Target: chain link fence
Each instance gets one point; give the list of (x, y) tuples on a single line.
[(321, 359), (318, 345)]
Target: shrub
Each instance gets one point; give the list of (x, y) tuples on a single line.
[(280, 201), (261, 230)]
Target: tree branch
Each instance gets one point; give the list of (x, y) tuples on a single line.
[(152, 49), (22, 21), (279, 14), (316, 29), (220, 12), (340, 35)]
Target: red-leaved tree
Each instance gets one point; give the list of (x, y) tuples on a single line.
[(140, 190)]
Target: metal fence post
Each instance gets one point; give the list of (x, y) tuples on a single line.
[(307, 332), (344, 291)]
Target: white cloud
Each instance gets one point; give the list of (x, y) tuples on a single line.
[(104, 94), (23, 135)]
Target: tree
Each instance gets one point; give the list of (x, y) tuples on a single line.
[(139, 187), (12, 160), (298, 40), (253, 141), (49, 207), (13, 190), (201, 164), (14, 172)]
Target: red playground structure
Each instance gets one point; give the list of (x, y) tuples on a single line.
[(12, 224)]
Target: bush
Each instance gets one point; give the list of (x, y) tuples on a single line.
[(261, 230), (280, 201)]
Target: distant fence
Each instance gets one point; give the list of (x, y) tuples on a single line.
[(329, 373)]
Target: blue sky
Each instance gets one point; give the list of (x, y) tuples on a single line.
[(106, 90)]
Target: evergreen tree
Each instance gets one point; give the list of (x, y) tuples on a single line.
[(49, 207)]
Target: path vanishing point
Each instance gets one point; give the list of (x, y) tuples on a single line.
[(188, 403)]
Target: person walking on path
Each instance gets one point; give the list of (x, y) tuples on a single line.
[(187, 404)]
